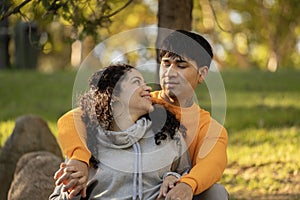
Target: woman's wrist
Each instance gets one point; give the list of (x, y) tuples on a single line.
[(171, 174)]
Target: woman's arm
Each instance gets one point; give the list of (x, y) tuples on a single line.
[(182, 166)]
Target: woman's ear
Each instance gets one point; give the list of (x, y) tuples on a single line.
[(202, 72), (117, 106), (115, 99)]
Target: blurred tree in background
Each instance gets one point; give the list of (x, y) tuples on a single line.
[(263, 34), (257, 33)]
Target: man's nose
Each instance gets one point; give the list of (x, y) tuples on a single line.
[(171, 71)]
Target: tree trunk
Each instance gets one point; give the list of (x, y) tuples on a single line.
[(173, 14), (4, 40)]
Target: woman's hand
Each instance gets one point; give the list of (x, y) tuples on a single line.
[(168, 183)]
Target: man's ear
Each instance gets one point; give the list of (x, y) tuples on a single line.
[(202, 71)]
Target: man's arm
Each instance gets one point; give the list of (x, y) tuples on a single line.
[(72, 136), (210, 158)]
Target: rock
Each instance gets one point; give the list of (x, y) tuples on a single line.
[(33, 177), (31, 133)]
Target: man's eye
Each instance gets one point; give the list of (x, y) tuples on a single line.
[(166, 64), (182, 66)]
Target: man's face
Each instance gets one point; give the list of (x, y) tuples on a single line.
[(179, 78)]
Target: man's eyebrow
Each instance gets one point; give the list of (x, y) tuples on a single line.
[(165, 59), (178, 60)]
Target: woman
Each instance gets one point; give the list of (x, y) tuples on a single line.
[(129, 149)]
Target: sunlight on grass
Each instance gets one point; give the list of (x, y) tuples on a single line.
[(263, 161), (53, 128), (7, 127)]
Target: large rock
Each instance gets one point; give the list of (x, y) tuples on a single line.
[(33, 178), (31, 133)]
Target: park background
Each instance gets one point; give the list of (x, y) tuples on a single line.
[(257, 48)]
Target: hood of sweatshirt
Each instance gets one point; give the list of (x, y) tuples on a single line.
[(126, 138)]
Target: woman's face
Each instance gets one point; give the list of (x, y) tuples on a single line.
[(135, 95)]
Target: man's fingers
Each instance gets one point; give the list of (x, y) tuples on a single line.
[(63, 179), (76, 175), (58, 173), (77, 185), (64, 169), (62, 165), (71, 184), (69, 168)]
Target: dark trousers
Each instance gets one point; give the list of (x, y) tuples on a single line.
[(215, 192)]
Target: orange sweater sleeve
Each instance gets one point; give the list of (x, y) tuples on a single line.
[(72, 136), (209, 156)]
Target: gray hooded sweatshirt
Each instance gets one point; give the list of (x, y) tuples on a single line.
[(131, 165)]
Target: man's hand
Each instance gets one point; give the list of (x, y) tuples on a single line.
[(181, 191), (74, 176)]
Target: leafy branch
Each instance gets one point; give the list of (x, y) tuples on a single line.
[(84, 14), (6, 13)]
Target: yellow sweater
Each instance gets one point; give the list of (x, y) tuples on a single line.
[(206, 138)]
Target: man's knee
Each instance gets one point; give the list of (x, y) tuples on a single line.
[(215, 192)]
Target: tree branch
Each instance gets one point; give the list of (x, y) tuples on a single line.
[(118, 10), (15, 10), (216, 18)]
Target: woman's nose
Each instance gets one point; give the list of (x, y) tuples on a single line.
[(147, 87)]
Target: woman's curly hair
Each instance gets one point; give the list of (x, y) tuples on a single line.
[(96, 104), (164, 124)]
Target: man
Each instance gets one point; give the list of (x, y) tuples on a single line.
[(185, 60)]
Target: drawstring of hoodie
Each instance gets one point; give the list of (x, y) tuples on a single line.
[(137, 173)]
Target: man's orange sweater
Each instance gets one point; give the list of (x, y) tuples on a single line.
[(206, 138)]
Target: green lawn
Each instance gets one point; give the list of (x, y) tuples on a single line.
[(30, 92), (262, 118)]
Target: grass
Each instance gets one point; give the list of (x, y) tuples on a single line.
[(262, 118), (47, 95)]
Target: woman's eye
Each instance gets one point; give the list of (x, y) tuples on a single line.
[(138, 82)]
